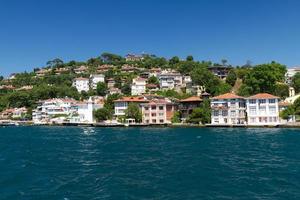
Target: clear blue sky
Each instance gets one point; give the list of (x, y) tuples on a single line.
[(34, 31)]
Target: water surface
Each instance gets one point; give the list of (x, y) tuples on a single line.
[(149, 163)]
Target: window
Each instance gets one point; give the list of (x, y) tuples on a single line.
[(216, 113), (146, 108), (272, 110), (232, 113), (262, 110), (153, 120), (161, 114), (252, 101), (153, 114), (271, 100), (261, 101), (216, 120), (161, 107), (161, 121), (252, 110), (153, 107), (146, 114), (252, 120), (224, 112)]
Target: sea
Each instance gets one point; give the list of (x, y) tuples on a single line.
[(159, 163)]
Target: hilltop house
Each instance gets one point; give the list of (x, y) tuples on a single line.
[(228, 109), (81, 84), (95, 79), (290, 74), (138, 86), (220, 71), (262, 109)]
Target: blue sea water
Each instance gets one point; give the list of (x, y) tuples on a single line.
[(71, 163)]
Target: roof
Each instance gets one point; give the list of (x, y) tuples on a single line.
[(228, 96), (191, 99), (132, 99), (284, 103), (81, 79), (263, 96), (150, 85)]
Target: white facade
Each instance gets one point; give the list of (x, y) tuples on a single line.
[(138, 86), (290, 74), (262, 110), (120, 108), (81, 84), (85, 111), (166, 82), (228, 109), (96, 78)]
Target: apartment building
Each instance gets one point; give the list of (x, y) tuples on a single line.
[(158, 111)]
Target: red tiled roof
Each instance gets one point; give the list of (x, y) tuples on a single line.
[(263, 96), (131, 99), (284, 103), (228, 96), (191, 99)]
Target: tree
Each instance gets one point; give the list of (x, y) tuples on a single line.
[(189, 58), (1, 78), (109, 102), (133, 111), (281, 90), (126, 89), (176, 117), (201, 114), (102, 114), (231, 77), (55, 63), (296, 82), (263, 78), (101, 89), (289, 111), (174, 60), (224, 62), (153, 80)]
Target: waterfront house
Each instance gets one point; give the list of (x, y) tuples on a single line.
[(81, 84), (187, 105), (262, 109), (95, 79), (85, 110), (158, 111), (122, 104), (138, 86), (53, 108), (228, 109)]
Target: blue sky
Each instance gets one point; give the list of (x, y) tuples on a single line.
[(33, 31)]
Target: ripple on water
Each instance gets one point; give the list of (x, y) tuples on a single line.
[(149, 163)]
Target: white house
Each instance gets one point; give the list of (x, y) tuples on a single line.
[(81, 84), (96, 78), (290, 74), (170, 80), (138, 86), (53, 108), (228, 109), (262, 109), (85, 111)]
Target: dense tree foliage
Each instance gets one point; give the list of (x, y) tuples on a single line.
[(201, 114), (101, 89), (133, 111), (231, 77), (102, 114), (296, 82)]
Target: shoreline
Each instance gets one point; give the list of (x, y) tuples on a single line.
[(103, 125)]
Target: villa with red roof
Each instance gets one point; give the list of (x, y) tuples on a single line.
[(228, 109), (122, 104), (263, 109)]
